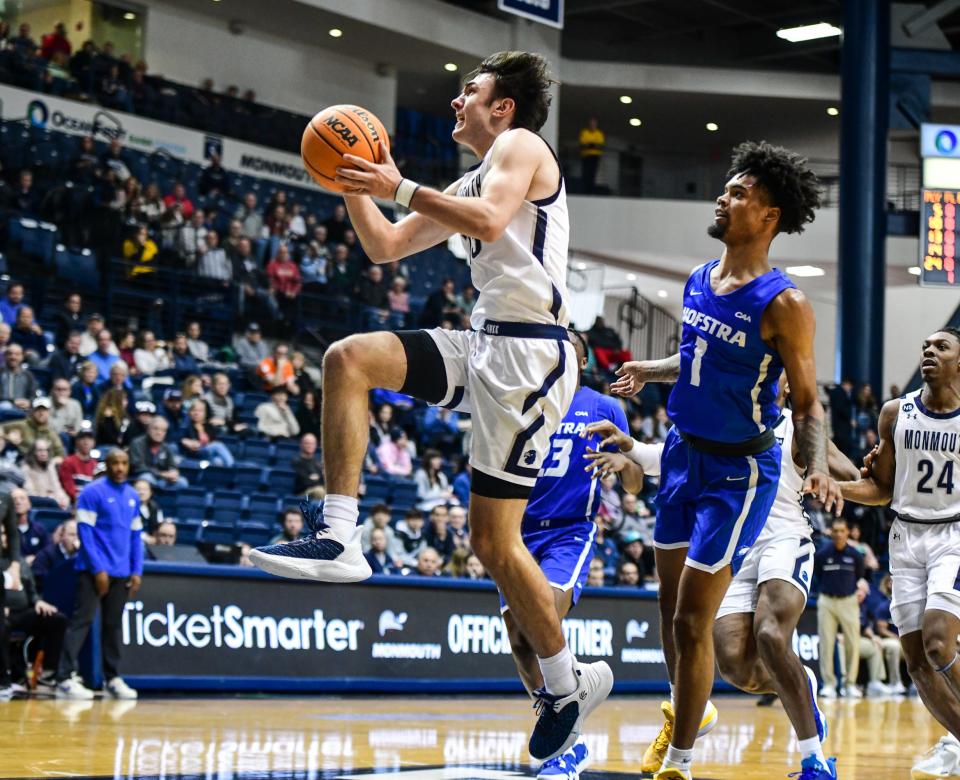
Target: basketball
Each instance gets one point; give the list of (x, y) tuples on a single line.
[(336, 131)]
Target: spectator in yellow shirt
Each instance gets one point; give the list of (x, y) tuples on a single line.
[(140, 249), (592, 141)]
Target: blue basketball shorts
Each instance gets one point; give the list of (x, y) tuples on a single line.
[(714, 505), (563, 550)]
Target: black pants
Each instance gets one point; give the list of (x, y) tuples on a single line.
[(4, 640), (589, 166), (111, 615), (46, 630)]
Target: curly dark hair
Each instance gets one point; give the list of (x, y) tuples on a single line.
[(955, 332), (792, 186), (523, 77)]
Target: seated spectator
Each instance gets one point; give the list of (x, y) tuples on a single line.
[(428, 563), (76, 470), (69, 319), (475, 569), (85, 167), (17, 384), (11, 303), (197, 438), (399, 300), (5, 332), (112, 419), (337, 224), (410, 539), (183, 362), (25, 199), (178, 197), (56, 554), (458, 527), (195, 344), (166, 535), (457, 565), (869, 557), (607, 345), (143, 412), (66, 416), (39, 620), (23, 433), (277, 225), (341, 274), (441, 306), (308, 413), (33, 536), (250, 216), (29, 335), (313, 267), (284, 276), (636, 551), (141, 250), (394, 454), (291, 520), (191, 390), (381, 424), (467, 299), (302, 380), (85, 389), (461, 483), (150, 356), (377, 554), (277, 370), (41, 474), (88, 341), (213, 263), (150, 512), (125, 343), (118, 379), (372, 293), (250, 349), (221, 405), (152, 459), (595, 578), (274, 417), (433, 488), (438, 533), (150, 208), (103, 357), (114, 159), (297, 226), (628, 575), (307, 466), (379, 519), (173, 409), (214, 181), (112, 92), (440, 430)]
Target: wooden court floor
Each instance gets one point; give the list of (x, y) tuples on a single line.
[(246, 738)]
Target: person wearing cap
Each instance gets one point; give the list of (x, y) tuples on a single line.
[(635, 552), (143, 412), (250, 349), (66, 416), (23, 433), (173, 407), (77, 470)]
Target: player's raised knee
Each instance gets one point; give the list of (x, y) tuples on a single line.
[(367, 358), (939, 650), (771, 638)]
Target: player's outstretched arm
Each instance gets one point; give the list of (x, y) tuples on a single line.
[(636, 373), (384, 241), (603, 463), (517, 155), (876, 488), (789, 323)]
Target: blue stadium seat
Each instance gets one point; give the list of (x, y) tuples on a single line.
[(212, 533), (228, 499), (49, 518), (216, 477), (254, 534), (43, 502), (258, 451), (259, 504), (378, 489), (286, 451)]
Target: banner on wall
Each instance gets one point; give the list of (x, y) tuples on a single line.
[(544, 11), (258, 632), (148, 136)]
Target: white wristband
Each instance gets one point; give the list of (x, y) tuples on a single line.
[(646, 456), (405, 192)]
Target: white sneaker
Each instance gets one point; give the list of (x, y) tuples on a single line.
[(853, 692), (876, 689), (828, 692), (6, 692), (897, 689), (943, 760), (560, 718), (118, 689), (73, 688)]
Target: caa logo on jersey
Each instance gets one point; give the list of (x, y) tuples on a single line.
[(581, 414), (907, 408), (743, 316)]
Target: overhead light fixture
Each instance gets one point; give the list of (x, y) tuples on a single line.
[(805, 270), (635, 121), (713, 127), (129, 16), (833, 110), (335, 32), (631, 277), (450, 67), (581, 266), (661, 293), (914, 270), (626, 100), (809, 32)]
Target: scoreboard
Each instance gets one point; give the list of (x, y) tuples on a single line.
[(938, 237)]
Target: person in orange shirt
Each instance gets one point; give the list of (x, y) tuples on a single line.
[(277, 370)]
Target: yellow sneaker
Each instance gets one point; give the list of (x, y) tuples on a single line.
[(657, 751), (672, 774)]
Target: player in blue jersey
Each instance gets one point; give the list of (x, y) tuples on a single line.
[(559, 527), (743, 322)]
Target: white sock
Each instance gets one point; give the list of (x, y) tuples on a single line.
[(678, 759), (559, 676), (812, 747), (341, 514)]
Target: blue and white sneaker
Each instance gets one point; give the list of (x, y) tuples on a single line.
[(560, 718), (818, 715), (318, 556), (568, 766), (812, 769)]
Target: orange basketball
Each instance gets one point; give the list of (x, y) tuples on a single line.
[(336, 131)]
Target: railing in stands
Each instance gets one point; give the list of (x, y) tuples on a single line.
[(652, 331)]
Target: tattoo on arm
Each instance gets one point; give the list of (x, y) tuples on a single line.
[(812, 443), (666, 370)]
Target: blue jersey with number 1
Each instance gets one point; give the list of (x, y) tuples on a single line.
[(564, 490), (727, 388)]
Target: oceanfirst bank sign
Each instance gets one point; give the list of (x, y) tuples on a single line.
[(381, 635)]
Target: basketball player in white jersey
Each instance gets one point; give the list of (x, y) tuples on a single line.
[(515, 372), (760, 611), (917, 469)]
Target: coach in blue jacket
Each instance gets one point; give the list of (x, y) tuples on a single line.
[(109, 566)]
